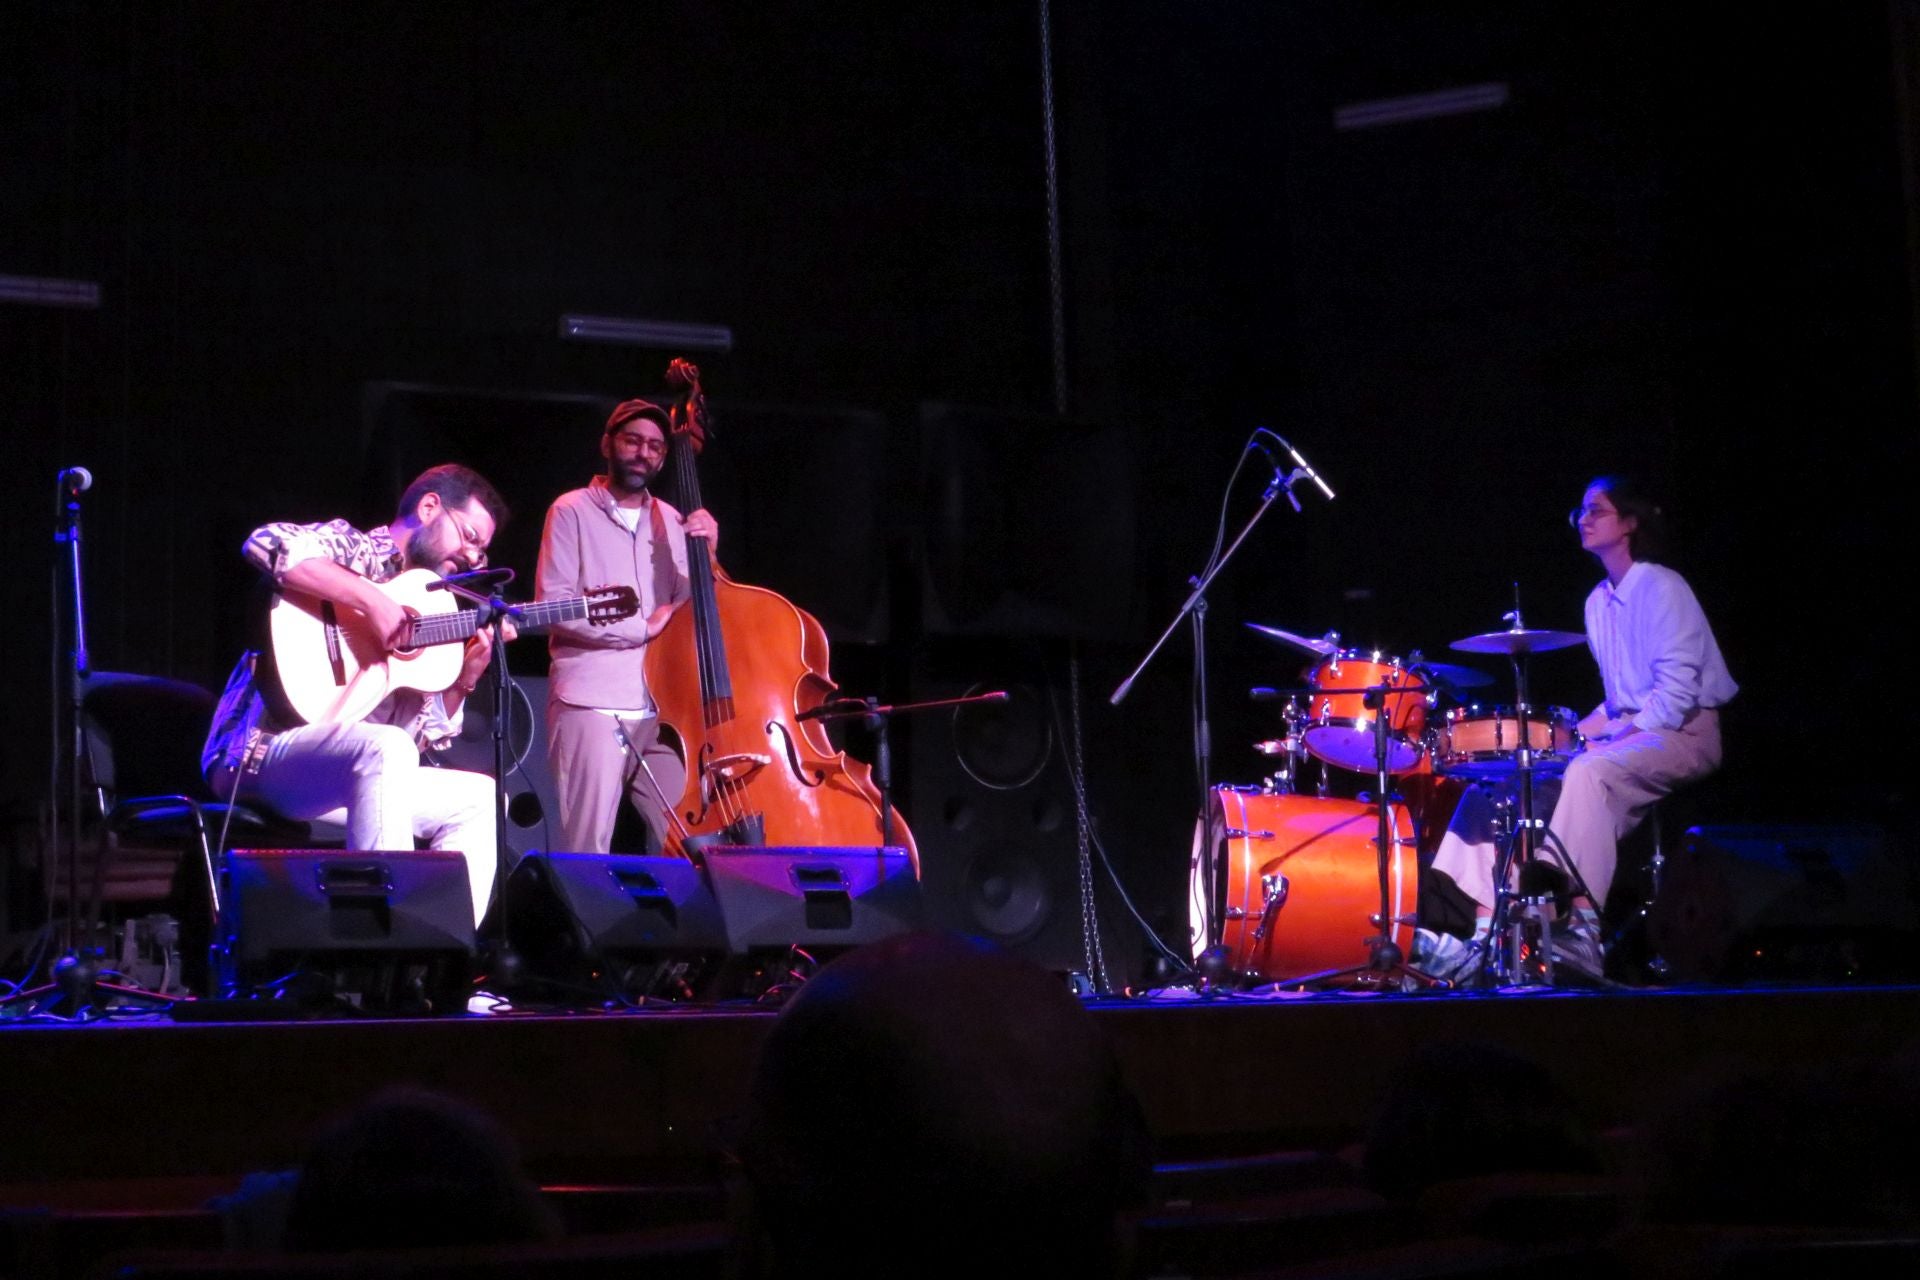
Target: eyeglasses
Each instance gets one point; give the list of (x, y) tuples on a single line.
[(641, 444), (1575, 516), (468, 538)]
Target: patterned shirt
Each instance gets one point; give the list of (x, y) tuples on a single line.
[(245, 718)]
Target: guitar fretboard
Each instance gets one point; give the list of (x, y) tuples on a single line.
[(444, 628)]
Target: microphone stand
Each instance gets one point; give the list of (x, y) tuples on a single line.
[(879, 719), (76, 974), (502, 961), (1196, 607), (79, 669)]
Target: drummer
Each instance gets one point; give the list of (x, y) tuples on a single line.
[(1657, 728)]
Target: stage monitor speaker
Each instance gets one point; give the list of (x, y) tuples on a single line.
[(777, 897), (393, 927), (645, 925), (1786, 903)]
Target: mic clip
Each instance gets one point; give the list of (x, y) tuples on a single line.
[(473, 579)]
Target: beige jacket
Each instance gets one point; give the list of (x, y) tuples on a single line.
[(585, 545)]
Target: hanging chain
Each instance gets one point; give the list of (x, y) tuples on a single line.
[(1096, 959)]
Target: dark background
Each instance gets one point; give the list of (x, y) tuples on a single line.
[(334, 241)]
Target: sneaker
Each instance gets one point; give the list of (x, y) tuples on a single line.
[(1576, 945), (1445, 956), (487, 1002)]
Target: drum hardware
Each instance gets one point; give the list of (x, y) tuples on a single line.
[(1273, 896), (1515, 944), (1528, 946), (1292, 745)]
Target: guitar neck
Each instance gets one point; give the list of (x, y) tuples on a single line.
[(444, 628)]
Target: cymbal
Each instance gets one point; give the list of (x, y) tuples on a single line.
[(1448, 676), (1511, 642), (1317, 645)]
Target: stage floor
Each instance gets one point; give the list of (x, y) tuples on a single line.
[(649, 1094)]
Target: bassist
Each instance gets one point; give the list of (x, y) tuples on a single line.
[(602, 732)]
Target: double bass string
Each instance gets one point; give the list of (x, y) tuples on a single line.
[(707, 642)]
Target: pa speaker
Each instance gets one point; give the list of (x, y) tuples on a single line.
[(981, 520), (637, 925), (1786, 902), (992, 806), (776, 897), (391, 927)]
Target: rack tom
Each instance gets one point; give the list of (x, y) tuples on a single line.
[(1340, 726)]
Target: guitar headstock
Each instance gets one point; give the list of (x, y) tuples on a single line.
[(610, 604)]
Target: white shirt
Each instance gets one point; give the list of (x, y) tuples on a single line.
[(1657, 655)]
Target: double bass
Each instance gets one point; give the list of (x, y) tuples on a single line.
[(731, 675)]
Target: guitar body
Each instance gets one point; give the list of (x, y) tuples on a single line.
[(334, 670)]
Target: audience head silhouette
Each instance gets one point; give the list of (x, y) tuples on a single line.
[(934, 1097), (412, 1169)]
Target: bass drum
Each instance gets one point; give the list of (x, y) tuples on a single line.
[(1296, 882)]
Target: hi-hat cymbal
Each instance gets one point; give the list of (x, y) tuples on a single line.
[(1511, 642), (1318, 645), (1451, 677)]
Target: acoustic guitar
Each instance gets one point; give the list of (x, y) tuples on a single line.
[(332, 669)]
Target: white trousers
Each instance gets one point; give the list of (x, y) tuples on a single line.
[(369, 778), (1606, 793)]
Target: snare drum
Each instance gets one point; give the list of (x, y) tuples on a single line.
[(1473, 743), (1298, 883), (1340, 725)]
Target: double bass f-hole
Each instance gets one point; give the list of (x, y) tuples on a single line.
[(792, 748)]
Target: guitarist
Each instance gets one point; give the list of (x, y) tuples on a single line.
[(369, 773), (603, 738)]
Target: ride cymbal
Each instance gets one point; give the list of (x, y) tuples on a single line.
[(1512, 642)]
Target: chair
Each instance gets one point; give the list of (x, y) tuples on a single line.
[(142, 737)]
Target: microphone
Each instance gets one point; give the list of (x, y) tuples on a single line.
[(1298, 461), (76, 480), (499, 576)]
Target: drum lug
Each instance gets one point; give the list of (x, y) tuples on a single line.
[(1273, 896), (1233, 833)]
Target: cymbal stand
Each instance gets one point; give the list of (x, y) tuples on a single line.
[(1520, 950)]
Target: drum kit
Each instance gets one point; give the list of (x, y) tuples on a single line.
[(1292, 886)]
